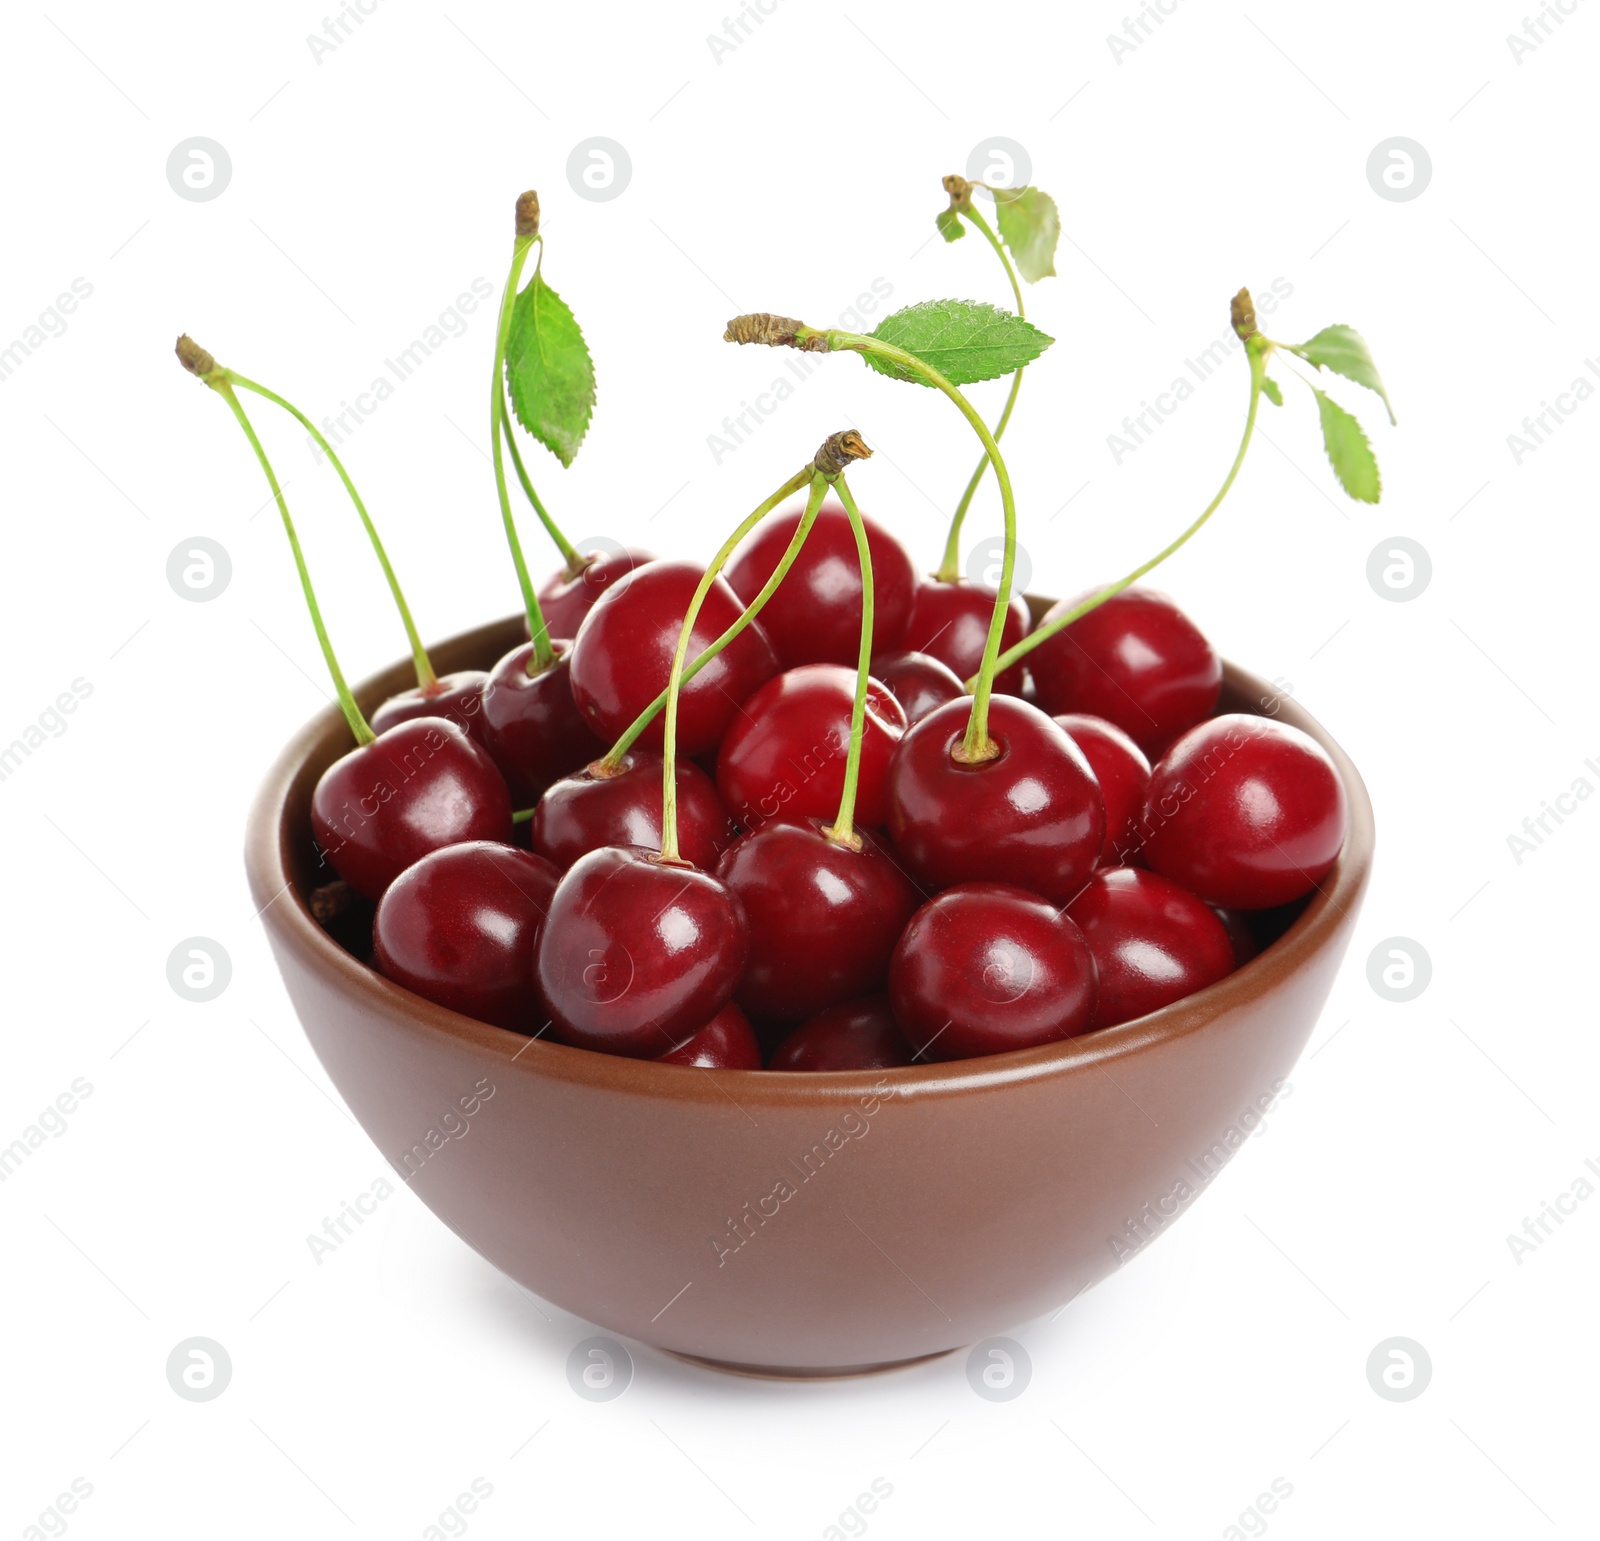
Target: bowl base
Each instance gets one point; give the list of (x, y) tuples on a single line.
[(782, 1372)]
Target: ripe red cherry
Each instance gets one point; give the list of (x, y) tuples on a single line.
[(1245, 812), (587, 810), (857, 1035), (1137, 660), (814, 616), (422, 785), (531, 725), (637, 953), (455, 697), (564, 601), (986, 967), (919, 682), (950, 621), (1032, 816), (461, 927), (726, 1042), (1123, 772), (1153, 942), (623, 656), (1245, 945), (785, 753), (823, 919)]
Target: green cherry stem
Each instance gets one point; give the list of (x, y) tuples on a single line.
[(843, 829), (574, 560), (426, 678)]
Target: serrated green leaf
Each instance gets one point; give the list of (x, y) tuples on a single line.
[(1344, 350), (1348, 450), (1272, 390), (548, 370), (1030, 225), (965, 340), (950, 226)]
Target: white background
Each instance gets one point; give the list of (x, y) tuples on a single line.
[(371, 188)]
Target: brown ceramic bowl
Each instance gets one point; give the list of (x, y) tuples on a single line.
[(787, 1223)]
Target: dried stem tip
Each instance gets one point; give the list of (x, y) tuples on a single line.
[(774, 331), (838, 450), (193, 357), (528, 214), (960, 190), (1243, 315)]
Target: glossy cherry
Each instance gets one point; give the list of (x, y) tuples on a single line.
[(1137, 660), (1153, 942), (950, 621), (918, 681), (623, 656), (1245, 812), (785, 754), (531, 725), (1032, 816), (455, 697), (590, 809), (564, 601), (637, 953), (1237, 924), (1123, 772), (461, 927), (726, 1042), (814, 615), (422, 785), (856, 1035), (823, 918), (986, 967)]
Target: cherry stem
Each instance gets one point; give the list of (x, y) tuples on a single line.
[(575, 561), (427, 680), (842, 831), (543, 654), (1257, 349), (950, 568), (669, 741), (612, 761)]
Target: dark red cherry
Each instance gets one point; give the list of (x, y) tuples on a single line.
[(823, 918), (1245, 812), (531, 724), (1153, 942), (856, 1035), (565, 601), (1032, 816), (455, 697), (814, 616), (422, 785), (950, 621), (919, 682), (785, 753), (1237, 925), (726, 1042), (1123, 772), (623, 656), (637, 953), (1137, 660), (587, 810), (461, 927), (986, 967)]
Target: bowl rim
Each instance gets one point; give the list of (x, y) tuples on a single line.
[(269, 842)]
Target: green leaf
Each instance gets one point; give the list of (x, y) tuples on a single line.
[(950, 226), (1271, 390), (1344, 350), (964, 340), (548, 370), (1348, 450), (1030, 225)]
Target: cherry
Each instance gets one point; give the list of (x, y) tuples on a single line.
[(531, 725), (726, 1042), (422, 785), (986, 967), (595, 807), (1123, 772), (823, 917), (623, 656), (461, 927), (1033, 815), (455, 697), (638, 953), (565, 600), (919, 682), (815, 614), (1245, 812), (1237, 925), (1153, 942), (785, 754), (1137, 660), (950, 621), (856, 1035)]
